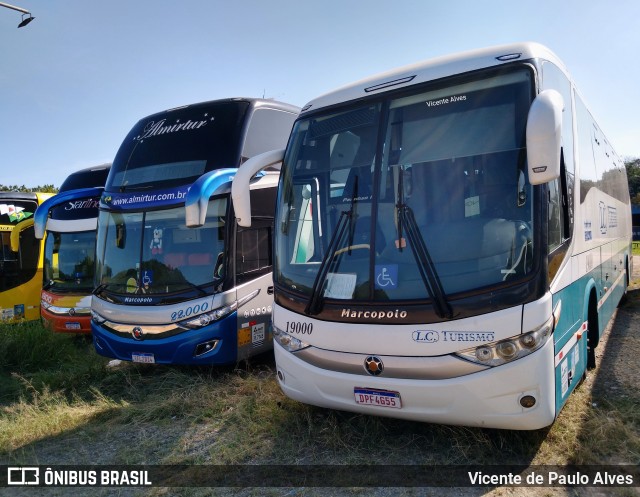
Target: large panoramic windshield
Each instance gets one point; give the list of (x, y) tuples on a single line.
[(69, 262), (154, 253), (178, 146), (435, 203)]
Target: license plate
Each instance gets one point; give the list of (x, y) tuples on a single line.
[(377, 397), (72, 326), (143, 357)]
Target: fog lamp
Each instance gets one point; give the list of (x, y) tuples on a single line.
[(528, 401)]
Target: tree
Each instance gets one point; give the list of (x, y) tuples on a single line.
[(632, 164), (16, 188)]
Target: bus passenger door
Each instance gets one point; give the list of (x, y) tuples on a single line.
[(254, 288), (24, 273)]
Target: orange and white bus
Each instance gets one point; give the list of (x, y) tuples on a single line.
[(67, 223)]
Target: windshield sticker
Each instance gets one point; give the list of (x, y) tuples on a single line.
[(472, 206), (147, 278), (161, 127), (364, 198), (386, 276), (15, 213), (122, 201), (156, 241), (446, 100), (340, 285)]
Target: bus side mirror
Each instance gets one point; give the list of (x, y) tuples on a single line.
[(544, 137), (16, 231), (240, 184)]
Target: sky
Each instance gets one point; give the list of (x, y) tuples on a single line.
[(76, 79)]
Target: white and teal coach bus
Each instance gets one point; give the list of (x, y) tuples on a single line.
[(451, 240)]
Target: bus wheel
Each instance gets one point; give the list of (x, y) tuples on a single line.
[(592, 332), (623, 299)]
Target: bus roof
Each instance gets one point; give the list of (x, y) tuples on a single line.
[(255, 102), (34, 196), (434, 69), (18, 196), (90, 177)]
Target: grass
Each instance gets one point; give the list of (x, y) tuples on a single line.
[(60, 403)]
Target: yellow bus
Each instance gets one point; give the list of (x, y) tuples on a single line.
[(21, 258)]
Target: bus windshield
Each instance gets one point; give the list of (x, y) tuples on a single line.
[(419, 196), (154, 253), (69, 262), (18, 267), (178, 146)]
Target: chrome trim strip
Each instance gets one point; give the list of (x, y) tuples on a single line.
[(65, 311), (410, 368), (147, 329)]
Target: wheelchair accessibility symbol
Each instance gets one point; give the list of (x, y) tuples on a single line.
[(386, 276)]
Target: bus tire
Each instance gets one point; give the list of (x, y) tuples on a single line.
[(623, 299), (593, 334)]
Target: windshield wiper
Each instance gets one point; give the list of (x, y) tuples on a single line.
[(314, 299), (313, 306), (352, 214), (421, 254), (97, 290), (133, 188), (400, 243), (55, 288), (426, 267), (199, 287)]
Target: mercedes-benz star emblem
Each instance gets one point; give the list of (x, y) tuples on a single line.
[(137, 333), (373, 365)]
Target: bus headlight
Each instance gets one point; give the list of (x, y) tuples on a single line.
[(203, 320), (498, 353), (207, 318), (97, 318), (290, 343)]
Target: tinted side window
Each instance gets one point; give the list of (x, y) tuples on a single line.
[(253, 251), (554, 78)]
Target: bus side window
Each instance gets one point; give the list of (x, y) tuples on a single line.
[(253, 252), (556, 221)]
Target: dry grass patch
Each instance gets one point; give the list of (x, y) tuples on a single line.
[(46, 414)]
